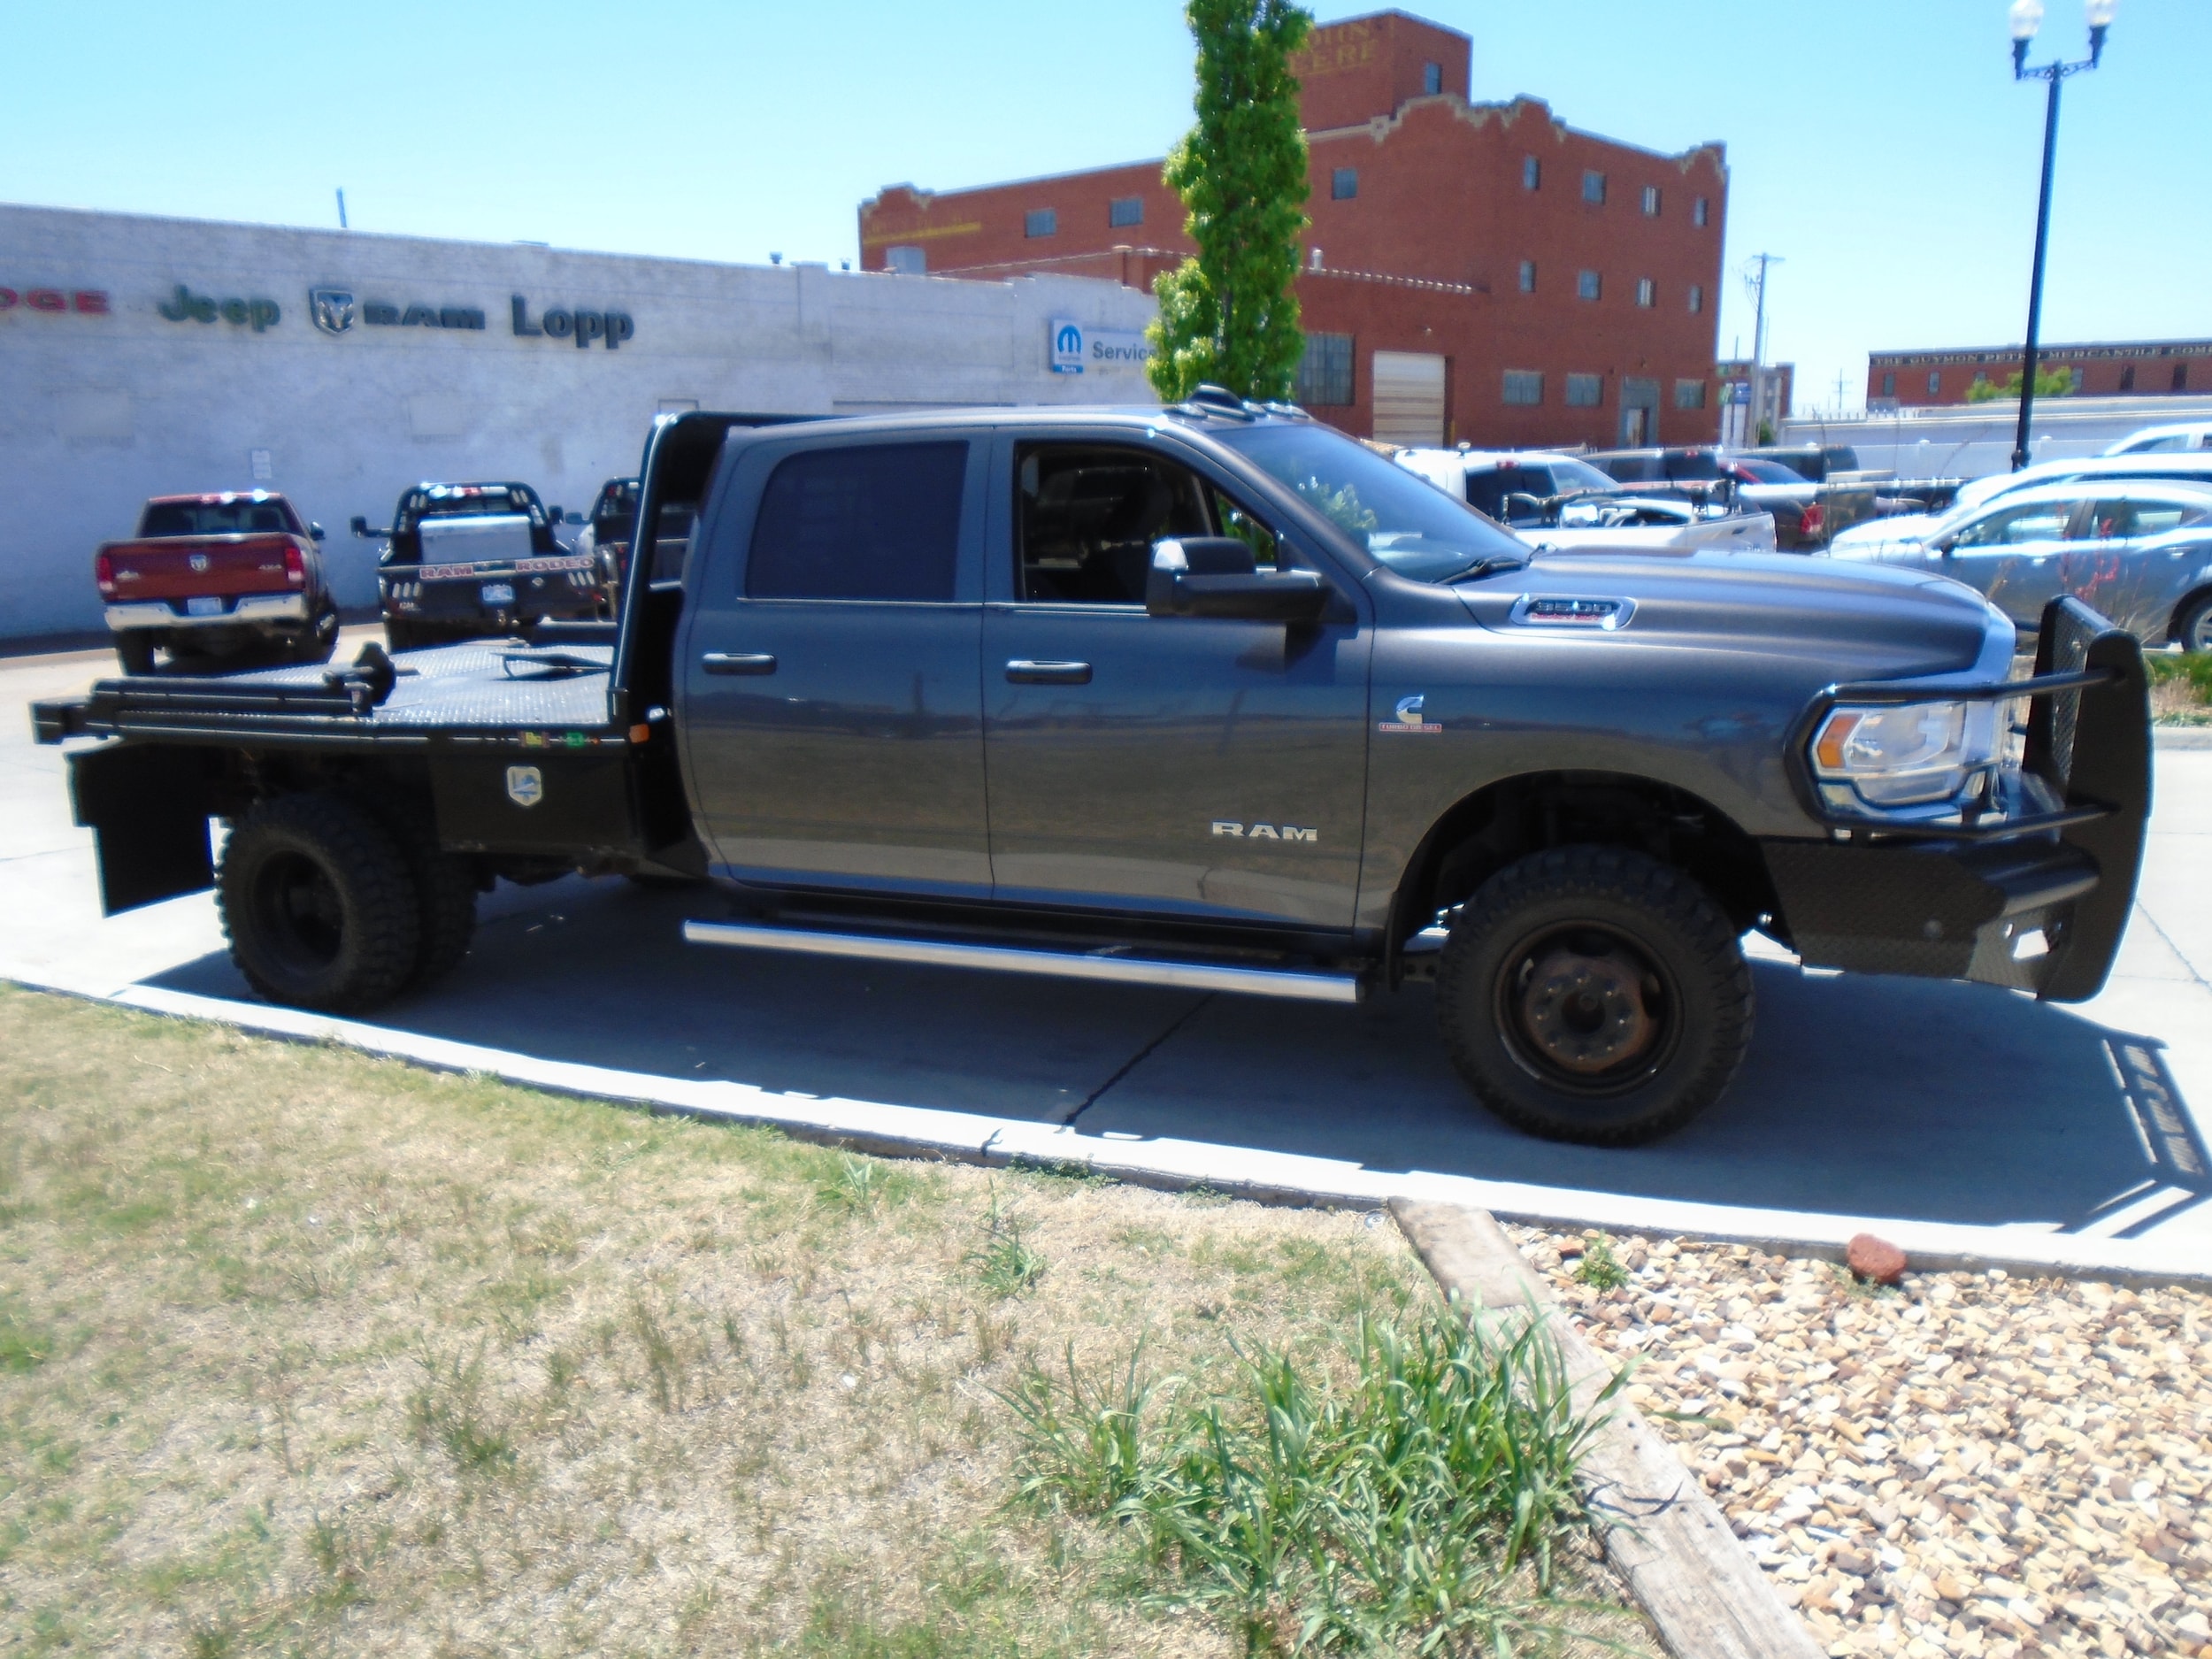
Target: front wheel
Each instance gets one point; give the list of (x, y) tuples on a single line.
[(2193, 632), (318, 904), (1593, 995)]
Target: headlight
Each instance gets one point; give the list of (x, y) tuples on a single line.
[(1905, 754)]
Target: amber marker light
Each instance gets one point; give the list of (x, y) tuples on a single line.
[(1829, 749), (641, 733)]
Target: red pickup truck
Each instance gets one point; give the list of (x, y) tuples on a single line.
[(219, 582)]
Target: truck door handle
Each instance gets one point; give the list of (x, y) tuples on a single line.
[(1022, 671), (738, 663)]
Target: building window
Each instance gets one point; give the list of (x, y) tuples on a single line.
[(1124, 210), (1586, 285), (1651, 201), (2181, 377), (1689, 393), (1528, 276), (1344, 184), (1585, 391), (1431, 79), (1532, 174), (1043, 221), (1699, 211), (1889, 384), (1935, 381), (2127, 378), (908, 259), (2076, 374), (1324, 373), (1593, 187), (1524, 387), (1697, 298), (1646, 292)]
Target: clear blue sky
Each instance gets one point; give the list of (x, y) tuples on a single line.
[(1880, 146)]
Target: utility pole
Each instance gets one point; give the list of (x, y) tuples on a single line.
[(341, 208), (1759, 342)]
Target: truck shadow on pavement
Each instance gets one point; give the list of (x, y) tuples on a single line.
[(1861, 1095)]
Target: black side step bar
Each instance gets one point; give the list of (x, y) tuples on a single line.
[(1299, 984)]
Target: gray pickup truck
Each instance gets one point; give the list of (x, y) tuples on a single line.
[(1206, 696)]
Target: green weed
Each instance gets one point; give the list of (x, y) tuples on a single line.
[(1600, 1269), (1398, 1507), (1004, 1263)]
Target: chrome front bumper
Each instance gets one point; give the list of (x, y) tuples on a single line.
[(154, 613)]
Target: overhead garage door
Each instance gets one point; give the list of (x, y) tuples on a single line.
[(1408, 397)]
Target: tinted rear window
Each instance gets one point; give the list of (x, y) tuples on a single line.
[(881, 522), (226, 517)]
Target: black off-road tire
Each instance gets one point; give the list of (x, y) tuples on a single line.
[(2192, 629), (135, 651), (1639, 1018), (445, 884), (318, 643), (318, 904)]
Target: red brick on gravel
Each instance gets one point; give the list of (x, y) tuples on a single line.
[(1877, 1259)]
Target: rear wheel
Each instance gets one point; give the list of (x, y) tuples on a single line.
[(136, 652), (2193, 632), (444, 883), (317, 905), (406, 636), (1593, 995)]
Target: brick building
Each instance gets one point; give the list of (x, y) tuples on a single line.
[(1474, 272), (2142, 368)]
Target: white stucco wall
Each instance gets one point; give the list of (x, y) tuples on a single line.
[(99, 411)]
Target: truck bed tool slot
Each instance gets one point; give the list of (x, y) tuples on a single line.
[(1299, 984)]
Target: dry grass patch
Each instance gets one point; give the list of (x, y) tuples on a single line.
[(305, 1351)]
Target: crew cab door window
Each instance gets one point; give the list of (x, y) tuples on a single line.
[(1181, 765), (832, 704)]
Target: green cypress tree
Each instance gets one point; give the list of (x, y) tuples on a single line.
[(1230, 315)]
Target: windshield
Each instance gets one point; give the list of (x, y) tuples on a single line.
[(1409, 526), (1767, 471)]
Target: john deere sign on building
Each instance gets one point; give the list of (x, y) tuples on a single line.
[(147, 356)]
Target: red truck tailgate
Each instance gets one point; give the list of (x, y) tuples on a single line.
[(184, 567)]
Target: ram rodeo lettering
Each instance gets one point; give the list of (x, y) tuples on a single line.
[(1207, 697)]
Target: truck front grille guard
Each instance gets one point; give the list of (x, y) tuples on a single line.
[(2088, 735)]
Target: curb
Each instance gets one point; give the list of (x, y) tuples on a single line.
[(1664, 1536), (1288, 1178), (2181, 736)]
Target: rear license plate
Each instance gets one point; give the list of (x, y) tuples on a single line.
[(205, 605), (498, 593)]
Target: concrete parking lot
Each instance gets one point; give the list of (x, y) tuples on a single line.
[(1961, 1119)]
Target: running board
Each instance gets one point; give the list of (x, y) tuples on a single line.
[(1305, 987)]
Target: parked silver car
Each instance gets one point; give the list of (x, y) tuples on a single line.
[(2138, 550)]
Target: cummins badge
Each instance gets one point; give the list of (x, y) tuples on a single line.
[(525, 785)]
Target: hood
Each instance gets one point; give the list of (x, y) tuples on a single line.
[(1904, 529), (1843, 620)]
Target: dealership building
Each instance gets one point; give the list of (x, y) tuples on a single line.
[(1481, 273), (2098, 368), (146, 357)]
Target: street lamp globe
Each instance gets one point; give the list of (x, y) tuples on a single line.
[(2027, 18), (2099, 12)]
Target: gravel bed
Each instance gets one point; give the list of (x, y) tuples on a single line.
[(1967, 1465)]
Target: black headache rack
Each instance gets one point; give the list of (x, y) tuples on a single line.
[(1956, 898)]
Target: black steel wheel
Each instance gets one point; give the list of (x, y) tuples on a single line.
[(2194, 631), (135, 651), (1593, 995), (318, 904)]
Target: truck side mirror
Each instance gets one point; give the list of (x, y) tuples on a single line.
[(316, 533), (553, 515), (1218, 576), (360, 527)]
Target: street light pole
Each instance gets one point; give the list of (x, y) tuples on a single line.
[(2026, 18)]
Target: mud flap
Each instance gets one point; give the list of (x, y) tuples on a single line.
[(146, 805)]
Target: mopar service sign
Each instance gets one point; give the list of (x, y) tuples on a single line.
[(1075, 348)]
